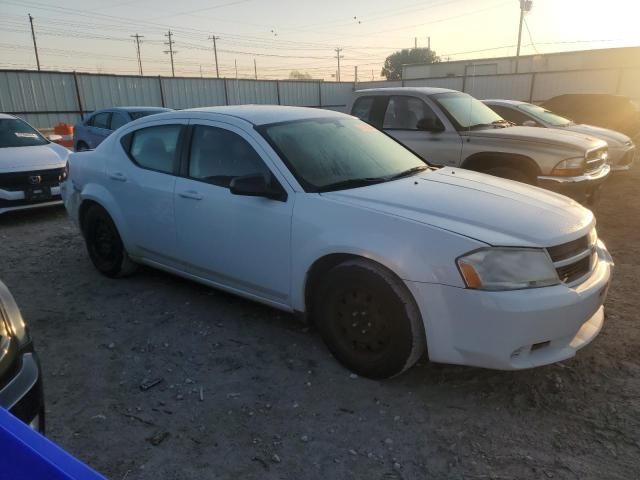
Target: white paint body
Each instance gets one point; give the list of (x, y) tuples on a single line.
[(263, 249)]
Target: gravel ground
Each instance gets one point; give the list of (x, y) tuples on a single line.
[(248, 392)]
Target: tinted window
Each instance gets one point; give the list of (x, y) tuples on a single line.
[(118, 120), (218, 155), (325, 151), (144, 113), (404, 113), (155, 148), (101, 120), (362, 108), (545, 115), (18, 133)]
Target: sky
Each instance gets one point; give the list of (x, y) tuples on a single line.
[(285, 35)]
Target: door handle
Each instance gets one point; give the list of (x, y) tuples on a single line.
[(118, 176), (191, 194)]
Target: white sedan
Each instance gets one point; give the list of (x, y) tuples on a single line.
[(31, 167), (316, 212)]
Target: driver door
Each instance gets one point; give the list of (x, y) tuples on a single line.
[(239, 242)]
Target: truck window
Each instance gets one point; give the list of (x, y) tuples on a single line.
[(404, 113)]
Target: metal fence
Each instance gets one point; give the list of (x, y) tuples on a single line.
[(46, 98), (533, 87)]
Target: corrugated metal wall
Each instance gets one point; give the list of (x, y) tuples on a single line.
[(510, 87), (102, 91), (182, 93), (46, 98)]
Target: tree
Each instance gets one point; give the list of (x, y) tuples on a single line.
[(392, 69), (298, 75)]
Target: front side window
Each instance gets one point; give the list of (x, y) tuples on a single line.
[(511, 114), (18, 133), (404, 113), (335, 153), (545, 115), (118, 120), (467, 112), (219, 155), (101, 120), (155, 148)]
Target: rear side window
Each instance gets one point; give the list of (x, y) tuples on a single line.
[(362, 108), (100, 120), (154, 148), (404, 113), (218, 155)]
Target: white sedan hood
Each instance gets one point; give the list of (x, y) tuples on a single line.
[(613, 138), (40, 157), (479, 206)]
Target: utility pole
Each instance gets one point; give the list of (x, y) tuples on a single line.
[(35, 45), (215, 53), (429, 43), (338, 56), (138, 37), (415, 42), (255, 68), (525, 6), (355, 74), (236, 63), (170, 51)]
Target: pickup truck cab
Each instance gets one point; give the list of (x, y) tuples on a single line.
[(451, 128)]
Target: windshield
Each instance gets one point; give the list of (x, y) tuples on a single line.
[(545, 115), (468, 112), (144, 113), (335, 153), (18, 133)]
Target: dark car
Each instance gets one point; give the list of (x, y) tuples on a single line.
[(88, 134), (609, 111), (20, 375)]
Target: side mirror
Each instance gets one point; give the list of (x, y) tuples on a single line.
[(256, 185), (529, 123), (433, 125)]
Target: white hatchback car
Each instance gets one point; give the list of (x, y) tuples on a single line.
[(31, 167), (316, 212)]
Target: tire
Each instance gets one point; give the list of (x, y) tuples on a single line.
[(510, 174), (104, 244), (393, 337), (81, 146)]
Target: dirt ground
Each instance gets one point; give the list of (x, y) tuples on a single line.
[(248, 392)]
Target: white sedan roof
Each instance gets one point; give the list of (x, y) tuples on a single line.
[(264, 114)]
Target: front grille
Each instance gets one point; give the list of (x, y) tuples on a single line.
[(569, 249), (18, 181), (574, 270), (595, 160)]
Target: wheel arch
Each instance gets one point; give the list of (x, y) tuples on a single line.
[(483, 161), (94, 194)]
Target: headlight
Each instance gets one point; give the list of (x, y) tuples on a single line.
[(507, 269), (570, 167)]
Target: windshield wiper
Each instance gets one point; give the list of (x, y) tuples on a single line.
[(351, 183), (409, 172)]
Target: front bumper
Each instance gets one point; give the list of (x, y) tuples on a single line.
[(23, 394), (584, 188), (11, 200), (514, 329)]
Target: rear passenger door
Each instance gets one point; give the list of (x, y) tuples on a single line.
[(141, 180), (239, 242)]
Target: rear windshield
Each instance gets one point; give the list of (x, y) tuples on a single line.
[(18, 133), (144, 113)]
